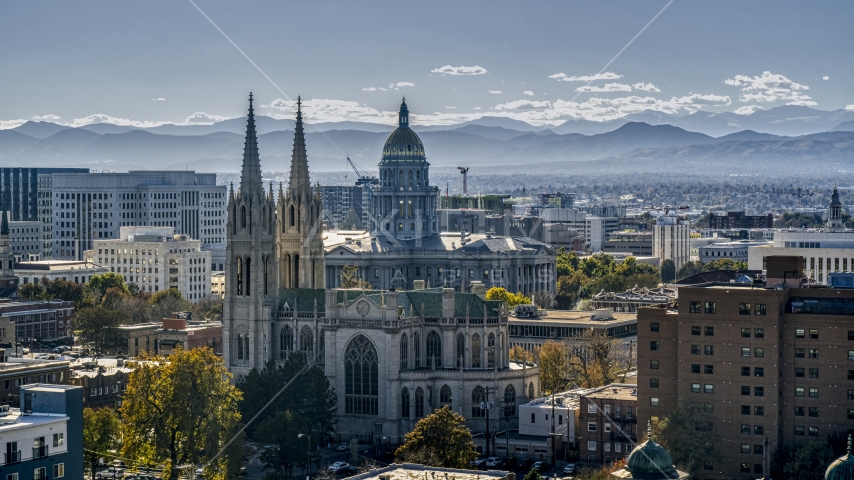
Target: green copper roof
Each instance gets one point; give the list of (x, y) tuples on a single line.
[(650, 458), (843, 467), (302, 299)]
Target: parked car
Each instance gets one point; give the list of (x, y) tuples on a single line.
[(338, 466), (541, 466), (477, 462), (526, 465), (348, 471), (343, 446), (112, 472), (493, 462), (569, 468)]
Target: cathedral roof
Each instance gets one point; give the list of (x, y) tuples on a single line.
[(299, 182), (250, 177), (303, 299), (403, 144)]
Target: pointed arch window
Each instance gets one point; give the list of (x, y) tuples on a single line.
[(361, 377), (475, 351), (266, 275), (478, 396), (404, 352), (292, 216), (461, 349), (239, 276), (445, 395), (510, 401), (416, 349), (531, 391), (240, 347), (419, 402), (248, 276), (306, 342), (286, 342), (490, 351), (243, 216), (404, 403), (434, 350)]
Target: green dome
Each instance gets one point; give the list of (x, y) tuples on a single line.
[(843, 467), (403, 143), (650, 457)]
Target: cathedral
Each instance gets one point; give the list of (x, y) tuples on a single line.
[(392, 356)]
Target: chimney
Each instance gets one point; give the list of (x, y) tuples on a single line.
[(391, 301), (479, 289), (418, 284), (448, 303)]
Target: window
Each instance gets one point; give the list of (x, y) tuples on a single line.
[(361, 374), (813, 411), (813, 431), (478, 396), (653, 402), (446, 397), (814, 373), (695, 368), (745, 429), (758, 449), (799, 430), (851, 414), (814, 392), (708, 388), (745, 448), (759, 309), (759, 333), (813, 334), (533, 418), (694, 307), (654, 326), (709, 331), (40, 474), (695, 349), (800, 353), (695, 388), (758, 430), (591, 408), (653, 364), (745, 390), (759, 352), (799, 333), (653, 346), (758, 410), (745, 351), (850, 335), (653, 383), (850, 354), (591, 446), (759, 372), (695, 329), (744, 309), (745, 371), (813, 353), (800, 411), (708, 465), (591, 426), (745, 468), (800, 391), (745, 332), (799, 372), (709, 349), (12, 476), (758, 391), (58, 439), (708, 369), (708, 407), (59, 470), (710, 307)]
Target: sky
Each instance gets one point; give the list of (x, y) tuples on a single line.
[(151, 62)]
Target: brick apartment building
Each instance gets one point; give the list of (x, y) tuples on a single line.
[(767, 365), (607, 424)]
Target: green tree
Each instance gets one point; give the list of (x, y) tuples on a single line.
[(99, 284), (350, 278), (569, 289), (283, 448), (597, 360), (567, 262), (509, 299), (101, 429), (668, 271), (533, 475), (181, 409), (165, 302), (440, 439), (99, 328), (725, 264), (688, 434), (809, 462), (554, 363), (31, 291), (65, 290)]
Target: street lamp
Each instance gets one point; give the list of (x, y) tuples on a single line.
[(307, 453)]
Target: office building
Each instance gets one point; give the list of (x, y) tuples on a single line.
[(738, 220), (44, 438), (735, 251), (598, 229), (823, 252), (8, 280), (26, 240), (157, 258), (77, 271), (89, 207), (346, 207), (218, 284), (638, 244), (531, 328), (768, 367), (670, 240)]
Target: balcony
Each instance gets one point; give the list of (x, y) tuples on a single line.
[(13, 457), (625, 419), (623, 437), (40, 452)]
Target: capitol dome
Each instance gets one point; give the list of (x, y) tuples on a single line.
[(650, 458), (403, 144), (843, 467)]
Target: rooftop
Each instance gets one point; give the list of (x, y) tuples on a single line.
[(412, 471), (14, 420), (55, 265), (615, 391), (581, 318)]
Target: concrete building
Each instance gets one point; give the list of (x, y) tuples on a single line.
[(346, 207), (161, 337), (218, 284), (671, 241), (608, 423), (767, 367), (735, 220), (44, 439), (26, 194), (568, 326), (16, 372), (165, 260), (103, 380), (38, 320), (598, 229), (823, 252), (26, 240), (77, 271), (638, 244), (94, 206), (735, 251)]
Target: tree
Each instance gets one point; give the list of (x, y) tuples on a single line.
[(280, 434), (668, 271), (519, 354), (165, 302), (440, 439), (569, 289), (179, 410), (99, 284), (100, 434), (31, 291), (688, 435), (533, 475), (809, 462), (65, 290), (553, 367), (509, 299), (596, 359), (725, 264), (99, 327), (690, 268), (350, 278)]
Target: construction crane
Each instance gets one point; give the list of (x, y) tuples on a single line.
[(465, 172), (362, 177)]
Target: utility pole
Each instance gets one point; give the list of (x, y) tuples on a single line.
[(486, 407)]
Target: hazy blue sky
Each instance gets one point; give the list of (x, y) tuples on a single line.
[(162, 61)]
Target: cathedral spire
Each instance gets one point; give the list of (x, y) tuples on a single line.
[(250, 178), (299, 183)]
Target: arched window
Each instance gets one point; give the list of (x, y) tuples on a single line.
[(361, 377), (434, 350), (264, 217), (248, 276), (478, 395), (234, 219), (461, 349), (490, 351), (240, 347), (404, 352), (292, 216), (286, 342), (295, 272), (419, 403), (266, 274), (306, 342), (416, 349), (404, 403), (531, 391), (445, 395), (509, 401), (246, 346), (243, 216), (239, 277), (475, 351)]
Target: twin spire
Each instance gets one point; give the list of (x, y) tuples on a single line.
[(299, 183)]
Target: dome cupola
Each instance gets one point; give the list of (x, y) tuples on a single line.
[(651, 460), (843, 467), (403, 144)]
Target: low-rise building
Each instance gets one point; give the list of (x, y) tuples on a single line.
[(735, 251), (76, 271), (630, 300), (530, 332), (44, 439), (607, 423), (103, 380), (638, 244), (161, 338), (218, 284), (16, 372), (412, 471), (37, 321)]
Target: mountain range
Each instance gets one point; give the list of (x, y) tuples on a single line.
[(800, 136)]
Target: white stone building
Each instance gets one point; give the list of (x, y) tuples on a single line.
[(671, 240), (77, 271), (156, 258)]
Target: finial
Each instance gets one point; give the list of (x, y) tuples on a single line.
[(649, 429), (849, 444), (404, 99), (299, 102), (250, 101)]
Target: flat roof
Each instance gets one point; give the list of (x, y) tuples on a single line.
[(616, 391), (15, 420), (413, 471), (576, 318)]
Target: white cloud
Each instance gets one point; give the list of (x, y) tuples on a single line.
[(770, 87), (160, 99), (646, 87), (329, 110), (528, 92), (102, 118), (478, 108), (608, 87), (7, 124), (450, 70), (369, 89), (747, 109), (523, 105), (46, 118), (825, 77), (495, 92), (202, 118), (803, 103), (451, 108), (404, 84), (586, 78), (849, 107)]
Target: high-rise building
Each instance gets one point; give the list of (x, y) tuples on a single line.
[(671, 240), (8, 280), (91, 206), (764, 367), (346, 207)]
